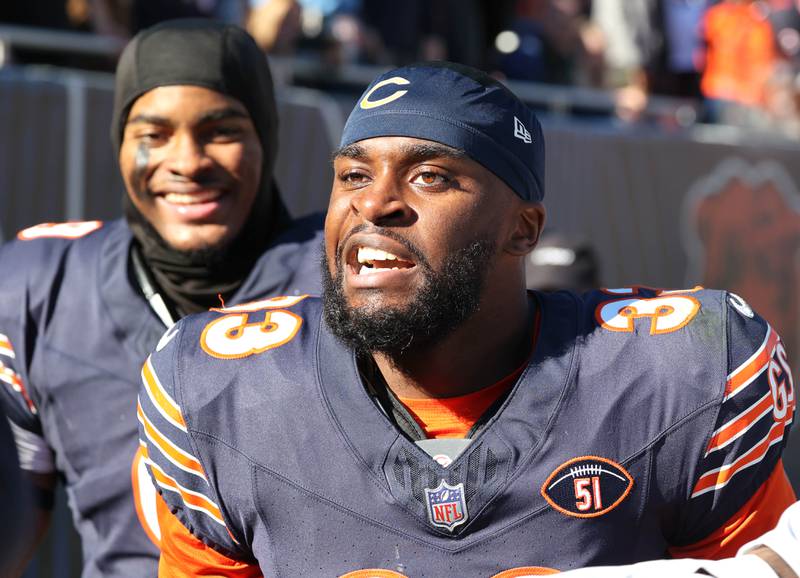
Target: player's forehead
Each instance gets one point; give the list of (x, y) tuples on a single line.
[(398, 146), (184, 103)]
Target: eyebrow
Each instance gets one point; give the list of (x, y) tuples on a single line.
[(352, 151), (148, 119), (211, 116), (416, 152), (223, 114), (421, 152)]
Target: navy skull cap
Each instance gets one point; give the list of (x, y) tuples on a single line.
[(461, 107)]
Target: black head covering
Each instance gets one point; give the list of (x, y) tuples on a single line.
[(223, 58)]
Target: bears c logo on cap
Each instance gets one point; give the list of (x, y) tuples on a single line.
[(366, 103)]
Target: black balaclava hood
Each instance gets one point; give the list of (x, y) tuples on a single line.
[(223, 58)]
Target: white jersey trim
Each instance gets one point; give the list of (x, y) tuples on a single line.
[(34, 453)]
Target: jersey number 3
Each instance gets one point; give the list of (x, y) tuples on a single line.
[(666, 313), (251, 328)]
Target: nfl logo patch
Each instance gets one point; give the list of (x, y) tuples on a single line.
[(447, 507)]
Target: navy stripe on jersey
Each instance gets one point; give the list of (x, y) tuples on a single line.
[(167, 449), (756, 411)]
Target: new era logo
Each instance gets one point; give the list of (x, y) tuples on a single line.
[(521, 132)]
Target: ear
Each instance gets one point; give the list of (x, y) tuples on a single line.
[(529, 224)]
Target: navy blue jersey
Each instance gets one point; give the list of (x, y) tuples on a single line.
[(644, 421), (74, 332)]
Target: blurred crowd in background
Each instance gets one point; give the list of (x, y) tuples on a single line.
[(739, 59)]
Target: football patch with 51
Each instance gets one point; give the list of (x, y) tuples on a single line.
[(587, 486)]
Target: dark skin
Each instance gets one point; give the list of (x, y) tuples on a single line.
[(191, 161), (438, 200)]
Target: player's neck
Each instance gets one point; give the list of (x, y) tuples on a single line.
[(486, 348)]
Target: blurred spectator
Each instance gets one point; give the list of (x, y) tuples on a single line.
[(562, 262), (425, 30), (546, 41), (652, 47), (674, 47), (275, 25), (56, 14), (780, 111), (146, 13), (740, 55), (625, 25)]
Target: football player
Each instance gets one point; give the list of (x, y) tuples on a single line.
[(429, 416), (81, 304)]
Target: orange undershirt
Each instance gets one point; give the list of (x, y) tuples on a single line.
[(184, 556), (453, 417)]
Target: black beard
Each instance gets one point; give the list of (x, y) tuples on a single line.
[(447, 298)]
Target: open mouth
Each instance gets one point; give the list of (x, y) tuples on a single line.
[(369, 260)]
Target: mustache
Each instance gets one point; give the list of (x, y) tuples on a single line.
[(385, 232)]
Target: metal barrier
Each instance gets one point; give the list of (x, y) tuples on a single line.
[(57, 41), (308, 71)]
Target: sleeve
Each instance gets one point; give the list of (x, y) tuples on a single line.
[(17, 338), (171, 457), (184, 556), (740, 489)]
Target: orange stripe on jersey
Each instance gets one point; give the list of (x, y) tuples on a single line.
[(160, 398), (719, 477), (193, 500), (139, 459), (13, 379), (173, 453), (68, 230), (750, 369), (759, 515), (184, 556), (739, 425), (5, 347)]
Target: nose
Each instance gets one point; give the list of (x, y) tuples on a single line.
[(382, 202), (187, 156)]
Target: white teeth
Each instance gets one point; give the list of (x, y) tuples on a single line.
[(369, 254), (191, 199)]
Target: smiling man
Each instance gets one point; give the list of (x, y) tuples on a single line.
[(81, 304), (431, 417)]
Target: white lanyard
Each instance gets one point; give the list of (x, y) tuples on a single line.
[(157, 303)]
